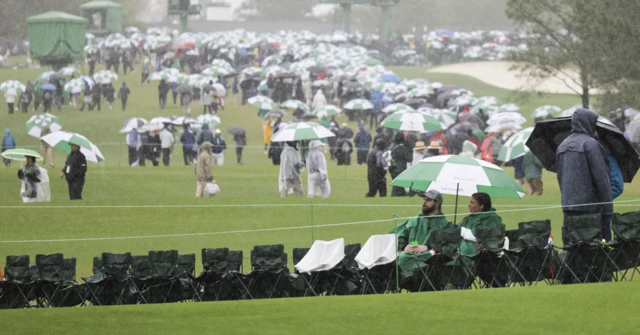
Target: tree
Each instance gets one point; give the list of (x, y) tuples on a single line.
[(557, 31), (275, 10)]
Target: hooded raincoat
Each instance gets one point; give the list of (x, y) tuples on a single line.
[(290, 166), (318, 179)]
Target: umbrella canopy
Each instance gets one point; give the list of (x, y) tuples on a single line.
[(390, 78), (236, 130), (544, 111), (68, 71), (74, 86), (633, 131), (412, 121), (509, 108), (20, 154), (209, 119), (358, 104), (320, 83), (166, 76), (488, 101), (444, 116), (12, 87), (461, 175), (295, 104), (49, 87), (515, 146), (276, 114), (262, 102), (549, 134), (327, 110), (38, 123), (62, 141), (105, 77), (463, 100), (133, 123), (398, 107), (301, 131), (506, 119)]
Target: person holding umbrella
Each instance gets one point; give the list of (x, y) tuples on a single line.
[(163, 90), (290, 166), (240, 137), (29, 174), (401, 155), (376, 170), (219, 146), (583, 173), (318, 178), (123, 94), (188, 140), (166, 143), (74, 171)]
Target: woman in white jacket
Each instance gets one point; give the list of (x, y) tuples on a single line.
[(318, 180)]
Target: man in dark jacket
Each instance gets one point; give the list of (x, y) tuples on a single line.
[(583, 172), (401, 155), (74, 171), (362, 141), (96, 95), (241, 141), (163, 90), (123, 94), (205, 135), (188, 143), (344, 148), (376, 171)]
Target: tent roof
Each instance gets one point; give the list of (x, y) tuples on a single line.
[(56, 17), (100, 4)]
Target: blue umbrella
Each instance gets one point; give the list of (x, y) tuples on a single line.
[(49, 87), (390, 78)]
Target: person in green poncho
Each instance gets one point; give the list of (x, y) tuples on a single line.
[(414, 233), (482, 215)]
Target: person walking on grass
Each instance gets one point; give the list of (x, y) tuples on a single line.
[(166, 142), (204, 168), (74, 171), (290, 166), (123, 94)]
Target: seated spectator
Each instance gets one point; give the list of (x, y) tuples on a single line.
[(482, 215)]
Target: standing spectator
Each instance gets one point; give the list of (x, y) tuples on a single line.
[(185, 99), (419, 152), (469, 149), (363, 141), (75, 169), (96, 95), (123, 94), (583, 173), (290, 166), (8, 142), (344, 148), (267, 133), (163, 90), (133, 143), (166, 142), (143, 150), (434, 149), (319, 100), (318, 178), (24, 102), (109, 94), (11, 99), (91, 60), (145, 72), (219, 146), (401, 155), (205, 135), (241, 141), (207, 101), (204, 168), (154, 147), (533, 172), (47, 101), (127, 61), (188, 143), (86, 101), (376, 170), (174, 92), (519, 173)]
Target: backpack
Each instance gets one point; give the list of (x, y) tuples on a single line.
[(345, 147), (47, 96)]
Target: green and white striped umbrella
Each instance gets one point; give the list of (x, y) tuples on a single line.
[(12, 87), (488, 101), (509, 108), (191, 80), (74, 86), (38, 123), (68, 71), (412, 121), (515, 146), (358, 104), (105, 77), (444, 116), (216, 71), (398, 107), (295, 104), (506, 119), (434, 85), (209, 119), (463, 100), (545, 111), (262, 102), (301, 131), (166, 76), (91, 48), (327, 111), (252, 71), (459, 175), (420, 92), (374, 84), (20, 154), (62, 141)]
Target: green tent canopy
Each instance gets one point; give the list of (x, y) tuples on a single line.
[(57, 38), (105, 17)]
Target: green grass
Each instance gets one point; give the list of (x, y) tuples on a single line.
[(142, 209)]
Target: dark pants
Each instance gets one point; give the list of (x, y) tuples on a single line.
[(92, 69), (175, 97), (125, 66), (133, 155), (163, 100), (75, 189), (10, 108), (239, 154), (187, 155), (377, 184), (166, 156), (141, 157), (25, 107), (362, 156), (397, 191), (124, 104), (606, 225), (95, 103)]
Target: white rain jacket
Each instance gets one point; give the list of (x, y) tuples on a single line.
[(318, 179), (290, 166)]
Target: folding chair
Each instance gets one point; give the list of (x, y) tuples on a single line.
[(585, 259), (109, 285), (269, 277), (72, 294), (444, 270), (299, 285), (18, 290), (139, 273), (161, 282), (345, 278), (531, 253), (49, 280), (377, 260), (322, 257), (185, 285), (214, 263), (624, 249), (489, 264)]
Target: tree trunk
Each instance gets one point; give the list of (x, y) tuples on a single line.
[(585, 88)]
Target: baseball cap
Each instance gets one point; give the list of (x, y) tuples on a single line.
[(218, 131), (434, 195)]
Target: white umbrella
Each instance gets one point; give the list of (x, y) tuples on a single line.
[(131, 124), (301, 131), (61, 140)]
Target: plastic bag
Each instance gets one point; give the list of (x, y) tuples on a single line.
[(211, 189)]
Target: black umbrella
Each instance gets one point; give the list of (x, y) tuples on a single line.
[(549, 134), (236, 130)]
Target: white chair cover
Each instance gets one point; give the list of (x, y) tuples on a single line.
[(323, 256), (379, 250)]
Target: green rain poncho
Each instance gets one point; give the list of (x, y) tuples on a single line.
[(417, 229), (469, 224)]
